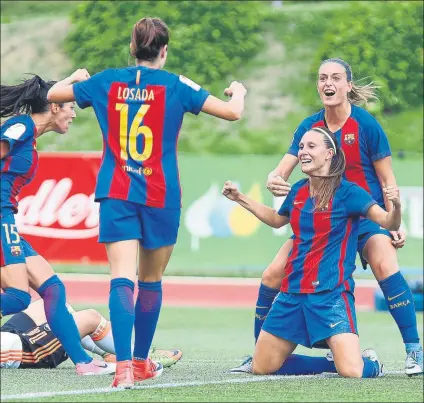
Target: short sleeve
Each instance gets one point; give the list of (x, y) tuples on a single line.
[(285, 208), (192, 95), (377, 141), (298, 134), (14, 133), (358, 201), (85, 91)]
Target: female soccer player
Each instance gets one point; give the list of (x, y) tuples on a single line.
[(369, 165), (316, 302), (140, 111), (32, 116)]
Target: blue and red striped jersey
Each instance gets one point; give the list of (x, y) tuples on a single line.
[(324, 245), (140, 112), (363, 141), (19, 166)]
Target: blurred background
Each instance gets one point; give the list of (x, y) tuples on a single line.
[(274, 48)]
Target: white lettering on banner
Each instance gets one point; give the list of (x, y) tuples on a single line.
[(51, 205)]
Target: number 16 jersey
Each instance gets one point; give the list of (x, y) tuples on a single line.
[(140, 112)]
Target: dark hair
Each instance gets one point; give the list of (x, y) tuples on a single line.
[(28, 97), (330, 182), (149, 35)]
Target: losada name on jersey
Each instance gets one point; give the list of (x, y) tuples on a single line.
[(135, 94)]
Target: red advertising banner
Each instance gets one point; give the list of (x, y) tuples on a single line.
[(57, 213)]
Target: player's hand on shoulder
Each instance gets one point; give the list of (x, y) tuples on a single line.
[(278, 186), (231, 191), (80, 75), (234, 87)]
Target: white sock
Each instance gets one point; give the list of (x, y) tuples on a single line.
[(89, 345), (102, 336)]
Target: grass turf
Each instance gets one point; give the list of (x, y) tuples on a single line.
[(214, 340)]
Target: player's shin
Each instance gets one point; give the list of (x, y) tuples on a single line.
[(121, 307), (147, 310), (304, 365), (266, 297), (400, 301), (61, 321)]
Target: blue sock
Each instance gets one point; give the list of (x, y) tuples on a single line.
[(371, 369), (304, 365), (61, 322), (266, 297), (401, 305), (409, 347), (13, 301), (121, 308), (147, 309)]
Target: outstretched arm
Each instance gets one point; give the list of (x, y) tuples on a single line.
[(383, 169), (264, 213), (228, 110), (390, 220), (63, 90)]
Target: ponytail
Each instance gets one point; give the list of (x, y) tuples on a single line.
[(28, 97), (329, 183), (149, 35), (361, 94)]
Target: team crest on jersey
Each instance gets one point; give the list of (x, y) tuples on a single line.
[(349, 138), (147, 171), (16, 250)]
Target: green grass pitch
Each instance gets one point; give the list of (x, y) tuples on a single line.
[(213, 340)]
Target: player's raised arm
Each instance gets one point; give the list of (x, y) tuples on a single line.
[(63, 90), (390, 220), (228, 110), (264, 213)]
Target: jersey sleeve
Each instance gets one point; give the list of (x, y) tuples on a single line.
[(85, 91), (15, 133), (286, 207), (358, 201), (377, 141), (192, 95), (298, 134)]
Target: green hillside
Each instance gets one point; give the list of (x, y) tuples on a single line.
[(278, 80)]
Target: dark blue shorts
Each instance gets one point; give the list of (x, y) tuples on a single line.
[(367, 229), (309, 319), (13, 249), (122, 220)]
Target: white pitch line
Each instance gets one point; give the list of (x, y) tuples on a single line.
[(169, 385)]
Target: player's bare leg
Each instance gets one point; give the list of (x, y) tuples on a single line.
[(270, 353), (349, 360)]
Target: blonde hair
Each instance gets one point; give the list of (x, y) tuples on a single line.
[(361, 94)]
